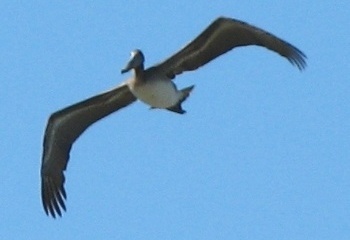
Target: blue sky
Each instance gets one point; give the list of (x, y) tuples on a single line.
[(262, 153)]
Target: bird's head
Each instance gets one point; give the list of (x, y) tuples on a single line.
[(136, 61)]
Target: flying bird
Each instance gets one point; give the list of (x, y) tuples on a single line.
[(153, 86)]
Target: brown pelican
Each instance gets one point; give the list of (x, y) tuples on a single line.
[(152, 86)]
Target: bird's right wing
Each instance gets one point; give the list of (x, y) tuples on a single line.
[(62, 129)]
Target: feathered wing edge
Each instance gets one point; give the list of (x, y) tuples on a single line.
[(63, 128), (221, 36)]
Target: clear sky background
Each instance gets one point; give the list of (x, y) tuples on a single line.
[(262, 153)]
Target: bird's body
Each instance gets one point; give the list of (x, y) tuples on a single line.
[(157, 93), (152, 86)]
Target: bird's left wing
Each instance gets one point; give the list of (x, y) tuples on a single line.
[(221, 36)]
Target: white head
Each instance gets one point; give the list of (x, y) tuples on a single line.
[(136, 60)]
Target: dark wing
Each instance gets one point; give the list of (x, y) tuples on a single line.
[(221, 36), (63, 128)]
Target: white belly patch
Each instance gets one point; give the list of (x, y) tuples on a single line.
[(158, 94)]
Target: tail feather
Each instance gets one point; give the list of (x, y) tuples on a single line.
[(177, 107), (186, 92)]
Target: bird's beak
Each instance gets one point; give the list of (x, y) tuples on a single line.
[(124, 70), (128, 67)]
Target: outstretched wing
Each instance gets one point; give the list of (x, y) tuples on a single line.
[(221, 36), (63, 128)]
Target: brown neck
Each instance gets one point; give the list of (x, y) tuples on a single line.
[(139, 72)]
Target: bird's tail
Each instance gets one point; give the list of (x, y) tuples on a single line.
[(185, 93)]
